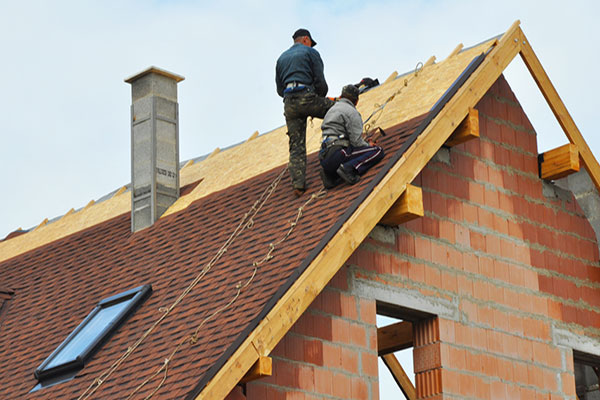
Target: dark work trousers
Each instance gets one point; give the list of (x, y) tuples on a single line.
[(359, 159), (297, 107)]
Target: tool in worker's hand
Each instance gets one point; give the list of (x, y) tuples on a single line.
[(372, 136)]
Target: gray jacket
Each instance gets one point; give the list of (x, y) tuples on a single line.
[(344, 119)]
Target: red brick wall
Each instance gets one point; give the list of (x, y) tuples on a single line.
[(513, 262)]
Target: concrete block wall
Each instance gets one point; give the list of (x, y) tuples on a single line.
[(511, 273)]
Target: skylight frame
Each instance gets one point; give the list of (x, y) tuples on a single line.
[(66, 370)]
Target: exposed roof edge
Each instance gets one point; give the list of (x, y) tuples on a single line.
[(221, 379), (558, 108)]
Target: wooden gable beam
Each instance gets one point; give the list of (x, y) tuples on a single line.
[(394, 337), (263, 339), (262, 367), (467, 130), (409, 206), (559, 109), (559, 162), (400, 376)]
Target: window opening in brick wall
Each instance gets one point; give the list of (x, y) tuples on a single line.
[(587, 376), (389, 386), (73, 353)]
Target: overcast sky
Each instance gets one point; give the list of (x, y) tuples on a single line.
[(64, 108)]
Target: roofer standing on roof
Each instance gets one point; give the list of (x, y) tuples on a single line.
[(301, 83), (344, 154)]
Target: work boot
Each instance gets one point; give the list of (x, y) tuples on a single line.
[(329, 181), (299, 192), (348, 174)]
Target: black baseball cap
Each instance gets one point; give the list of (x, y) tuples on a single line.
[(304, 32)]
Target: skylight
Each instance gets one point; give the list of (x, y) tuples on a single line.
[(72, 354)]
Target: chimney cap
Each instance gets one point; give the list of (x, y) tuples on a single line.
[(154, 70)]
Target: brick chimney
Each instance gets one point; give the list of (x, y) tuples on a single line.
[(154, 145)]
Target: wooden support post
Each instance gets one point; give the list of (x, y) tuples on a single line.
[(253, 136), (429, 62), (559, 162), (467, 130), (394, 337), (261, 368), (409, 206), (400, 376)]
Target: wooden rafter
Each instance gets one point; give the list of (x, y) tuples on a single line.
[(394, 337), (467, 130), (317, 275), (408, 207), (262, 367), (559, 162), (400, 376), (559, 109)]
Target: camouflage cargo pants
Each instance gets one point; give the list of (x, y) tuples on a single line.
[(298, 107)]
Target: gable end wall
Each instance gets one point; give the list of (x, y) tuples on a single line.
[(504, 266)]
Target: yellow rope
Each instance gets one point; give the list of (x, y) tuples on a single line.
[(246, 222), (192, 339), (380, 107)]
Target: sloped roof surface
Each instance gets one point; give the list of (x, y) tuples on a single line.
[(59, 271), (58, 284)]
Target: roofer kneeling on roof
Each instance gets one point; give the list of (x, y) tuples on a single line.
[(301, 82), (344, 154)]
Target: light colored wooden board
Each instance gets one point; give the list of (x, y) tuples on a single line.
[(560, 162), (408, 207), (262, 367), (394, 337), (559, 109), (467, 130), (400, 376), (456, 50), (253, 136)]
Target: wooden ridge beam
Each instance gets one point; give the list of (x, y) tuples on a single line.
[(394, 337), (262, 367), (467, 130), (559, 162), (400, 376), (559, 109), (408, 207), (288, 309)]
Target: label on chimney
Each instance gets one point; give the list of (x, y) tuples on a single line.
[(169, 174)]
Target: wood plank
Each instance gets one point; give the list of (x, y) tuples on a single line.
[(318, 274), (559, 162), (394, 337), (400, 376), (467, 130), (408, 207), (560, 110), (429, 61), (456, 50), (262, 367), (253, 136), (390, 78)]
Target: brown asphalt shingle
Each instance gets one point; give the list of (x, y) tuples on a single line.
[(57, 285)]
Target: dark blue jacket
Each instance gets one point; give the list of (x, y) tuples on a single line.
[(301, 64)]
